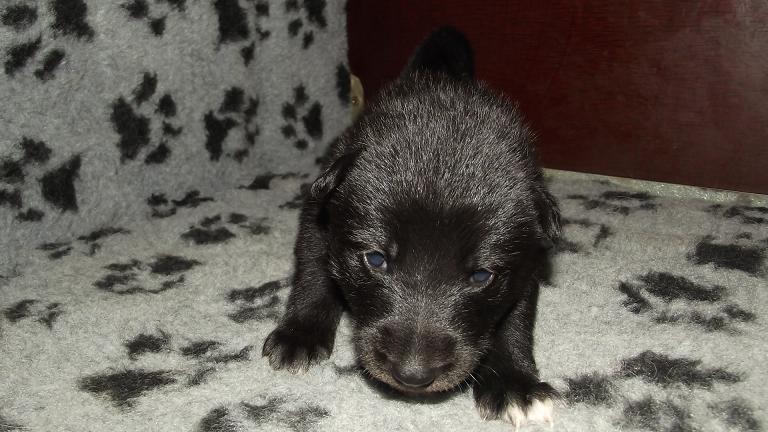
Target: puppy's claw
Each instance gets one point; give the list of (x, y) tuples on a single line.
[(294, 350)]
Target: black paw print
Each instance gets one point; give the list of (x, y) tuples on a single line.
[(748, 215), (263, 181), (256, 303), (28, 160), (672, 299), (275, 411), (621, 202), (741, 253), (663, 409), (591, 235), (163, 273), (297, 201), (234, 26), (68, 19), (206, 354), (309, 16), (309, 115), (141, 10), (198, 359), (45, 314), (162, 207), (88, 244), (135, 129), (236, 111), (212, 229)]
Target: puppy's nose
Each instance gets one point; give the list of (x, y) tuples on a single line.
[(415, 358), (414, 376)]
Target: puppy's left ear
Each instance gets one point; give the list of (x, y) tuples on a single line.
[(549, 217), (332, 177)]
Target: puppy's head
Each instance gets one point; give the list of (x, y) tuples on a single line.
[(437, 218)]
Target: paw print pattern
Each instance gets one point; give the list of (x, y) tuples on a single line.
[(155, 15), (163, 273), (748, 215), (664, 409), (212, 229), (590, 235), (234, 27), (256, 303), (674, 299), (57, 185), (593, 388), (275, 412), (649, 413), (262, 182), (309, 15), (45, 314), (237, 111), (124, 387), (616, 201), (27, 162), (737, 413), (667, 372), (742, 253), (206, 354), (197, 360), (68, 19), (136, 129), (88, 244), (300, 114), (297, 201), (162, 207)]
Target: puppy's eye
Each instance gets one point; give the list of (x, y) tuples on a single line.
[(481, 277), (376, 260)]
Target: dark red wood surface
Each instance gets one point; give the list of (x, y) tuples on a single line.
[(673, 91)]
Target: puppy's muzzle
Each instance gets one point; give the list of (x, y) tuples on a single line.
[(414, 355)]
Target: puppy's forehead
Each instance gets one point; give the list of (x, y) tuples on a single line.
[(436, 225)]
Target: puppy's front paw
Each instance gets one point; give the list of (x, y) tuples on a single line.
[(297, 347), (516, 404)]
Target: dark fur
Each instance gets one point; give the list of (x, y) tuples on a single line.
[(439, 174)]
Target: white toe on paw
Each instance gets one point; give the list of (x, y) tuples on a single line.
[(514, 414), (539, 411)]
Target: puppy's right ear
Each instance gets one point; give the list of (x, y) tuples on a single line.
[(323, 187)]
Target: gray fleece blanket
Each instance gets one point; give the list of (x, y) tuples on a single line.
[(653, 319)]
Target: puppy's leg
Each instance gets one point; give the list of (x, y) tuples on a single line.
[(508, 386), (307, 330)]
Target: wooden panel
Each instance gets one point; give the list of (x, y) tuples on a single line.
[(672, 91)]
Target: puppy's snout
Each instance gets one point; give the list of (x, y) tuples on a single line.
[(415, 356)]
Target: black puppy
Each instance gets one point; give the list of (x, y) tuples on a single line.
[(428, 226)]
